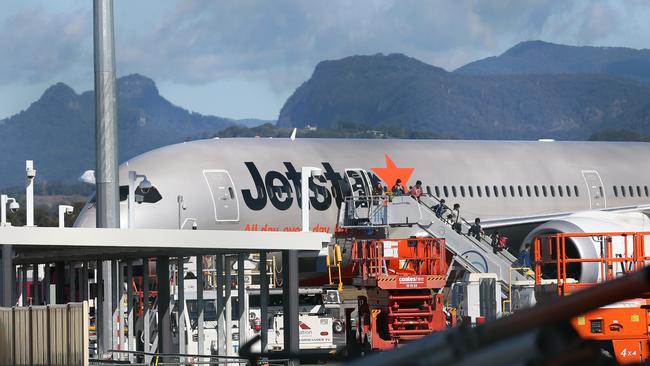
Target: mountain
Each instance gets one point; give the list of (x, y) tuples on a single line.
[(58, 130), (396, 90), (538, 57)]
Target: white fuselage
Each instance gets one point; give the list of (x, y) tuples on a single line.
[(252, 184)]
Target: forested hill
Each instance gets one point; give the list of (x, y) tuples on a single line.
[(396, 90), (538, 57), (58, 130)]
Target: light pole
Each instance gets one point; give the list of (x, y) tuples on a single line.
[(30, 174), (8, 274), (144, 186), (64, 210), (13, 206), (181, 207)]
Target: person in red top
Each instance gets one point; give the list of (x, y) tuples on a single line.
[(416, 190)]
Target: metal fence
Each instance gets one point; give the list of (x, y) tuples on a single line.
[(44, 335)]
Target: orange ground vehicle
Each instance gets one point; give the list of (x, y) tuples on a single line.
[(399, 276), (623, 327)]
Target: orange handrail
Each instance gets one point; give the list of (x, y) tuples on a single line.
[(554, 246)]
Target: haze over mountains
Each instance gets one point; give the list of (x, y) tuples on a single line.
[(534, 90)]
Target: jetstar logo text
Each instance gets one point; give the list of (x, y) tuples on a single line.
[(280, 189), (277, 188)]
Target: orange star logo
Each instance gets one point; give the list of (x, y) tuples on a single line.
[(391, 173)]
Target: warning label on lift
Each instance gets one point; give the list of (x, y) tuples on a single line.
[(411, 282)]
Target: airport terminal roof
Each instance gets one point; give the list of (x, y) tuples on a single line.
[(40, 244)]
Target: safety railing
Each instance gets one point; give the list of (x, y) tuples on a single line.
[(364, 211), (416, 256), (624, 251), (465, 225)]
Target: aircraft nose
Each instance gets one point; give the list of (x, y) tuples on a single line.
[(87, 217)]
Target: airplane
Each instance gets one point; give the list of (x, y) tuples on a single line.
[(524, 188)]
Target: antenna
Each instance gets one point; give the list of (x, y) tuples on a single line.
[(293, 134)]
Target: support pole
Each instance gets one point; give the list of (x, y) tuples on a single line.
[(46, 284), (106, 172), (115, 311), (199, 305), (220, 306), (29, 191), (8, 275), (121, 310), (147, 309), (180, 274), (99, 306), (129, 309), (73, 282), (264, 301), (290, 303), (84, 281), (23, 285), (164, 315), (241, 302), (35, 287), (59, 269), (228, 301)]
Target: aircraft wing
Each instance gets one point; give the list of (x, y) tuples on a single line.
[(538, 219)]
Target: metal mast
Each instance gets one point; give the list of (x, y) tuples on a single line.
[(108, 214)]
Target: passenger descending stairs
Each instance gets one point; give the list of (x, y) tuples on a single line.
[(406, 216)]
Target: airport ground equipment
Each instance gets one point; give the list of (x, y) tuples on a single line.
[(476, 298), (538, 335), (400, 278), (623, 326), (404, 216)]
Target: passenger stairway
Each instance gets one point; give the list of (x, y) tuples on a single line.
[(404, 216), (410, 314)]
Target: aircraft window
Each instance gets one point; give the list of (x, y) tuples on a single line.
[(552, 190), (437, 191), (560, 191), (544, 191), (623, 191), (471, 191), (645, 188), (462, 191), (446, 191), (487, 191), (453, 191), (512, 191), (480, 193), (638, 191), (496, 191), (528, 191), (503, 190), (521, 191), (631, 191), (568, 191), (575, 189), (615, 191), (536, 191)]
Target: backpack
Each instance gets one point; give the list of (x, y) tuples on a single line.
[(503, 241)]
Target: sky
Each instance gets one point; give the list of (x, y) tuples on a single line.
[(244, 58)]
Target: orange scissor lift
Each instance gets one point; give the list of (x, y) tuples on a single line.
[(399, 277), (622, 327)]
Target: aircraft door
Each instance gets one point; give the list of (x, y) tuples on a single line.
[(223, 194), (595, 188), (359, 182)]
